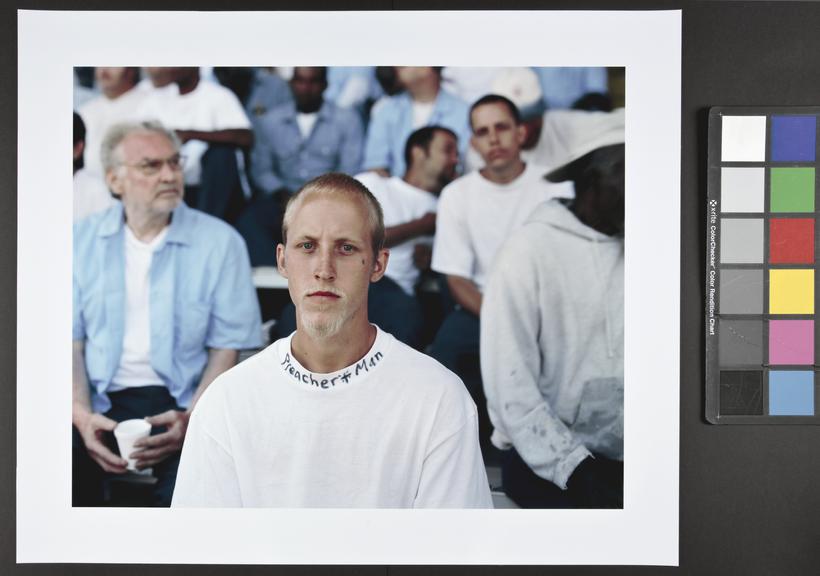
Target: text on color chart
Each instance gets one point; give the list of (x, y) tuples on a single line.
[(712, 273)]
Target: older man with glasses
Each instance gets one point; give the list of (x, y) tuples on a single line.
[(163, 302)]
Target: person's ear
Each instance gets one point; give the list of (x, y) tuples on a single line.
[(280, 260), (79, 147), (380, 265), (418, 153), (521, 134), (114, 182)]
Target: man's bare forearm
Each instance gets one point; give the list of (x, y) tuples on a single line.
[(241, 137), (424, 226), (81, 395), (219, 360), (465, 293)]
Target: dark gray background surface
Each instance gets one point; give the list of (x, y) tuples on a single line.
[(749, 495)]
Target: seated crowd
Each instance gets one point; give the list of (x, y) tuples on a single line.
[(366, 188)]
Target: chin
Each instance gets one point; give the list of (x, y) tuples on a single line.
[(170, 203), (322, 326)]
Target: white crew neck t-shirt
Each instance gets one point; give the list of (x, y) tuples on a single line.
[(475, 217), (135, 362), (422, 111), (207, 108), (306, 122), (393, 430), (401, 202)]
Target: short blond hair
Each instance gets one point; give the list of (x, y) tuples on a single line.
[(336, 183)]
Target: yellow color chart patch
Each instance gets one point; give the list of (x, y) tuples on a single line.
[(791, 291)]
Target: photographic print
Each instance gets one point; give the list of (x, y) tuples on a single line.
[(343, 377)]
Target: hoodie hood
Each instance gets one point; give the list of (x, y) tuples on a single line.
[(554, 213)]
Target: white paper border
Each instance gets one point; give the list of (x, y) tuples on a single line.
[(648, 44)]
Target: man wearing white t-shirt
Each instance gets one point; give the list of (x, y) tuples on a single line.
[(119, 101), (340, 413), (162, 303), (409, 206), (214, 129), (476, 214)]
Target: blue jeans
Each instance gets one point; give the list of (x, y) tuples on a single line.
[(261, 227), (220, 189), (528, 490), (456, 346)]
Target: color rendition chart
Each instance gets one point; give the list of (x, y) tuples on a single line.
[(761, 266)]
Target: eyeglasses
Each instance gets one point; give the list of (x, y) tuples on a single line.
[(153, 166)]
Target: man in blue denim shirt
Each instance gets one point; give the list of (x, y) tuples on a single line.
[(163, 302), (424, 103), (302, 139), (296, 142)]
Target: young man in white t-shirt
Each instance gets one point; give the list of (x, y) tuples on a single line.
[(476, 213), (339, 414)]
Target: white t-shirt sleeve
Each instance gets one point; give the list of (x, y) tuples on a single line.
[(452, 249), (431, 203), (206, 477), (453, 473), (230, 114)]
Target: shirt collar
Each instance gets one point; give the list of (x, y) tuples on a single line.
[(180, 230), (325, 111)]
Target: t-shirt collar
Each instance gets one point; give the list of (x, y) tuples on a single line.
[(346, 377)]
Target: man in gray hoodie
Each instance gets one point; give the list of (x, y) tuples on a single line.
[(552, 341)]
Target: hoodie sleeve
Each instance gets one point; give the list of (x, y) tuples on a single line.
[(511, 366)]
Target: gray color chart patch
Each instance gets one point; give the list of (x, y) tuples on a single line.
[(741, 292), (741, 342), (741, 241)]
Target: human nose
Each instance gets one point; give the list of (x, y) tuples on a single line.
[(325, 266), (168, 171), (493, 136)]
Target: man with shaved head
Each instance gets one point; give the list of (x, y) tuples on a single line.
[(339, 413)]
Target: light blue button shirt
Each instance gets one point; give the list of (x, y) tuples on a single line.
[(202, 296), (281, 157), (339, 78), (391, 123), (561, 87)]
